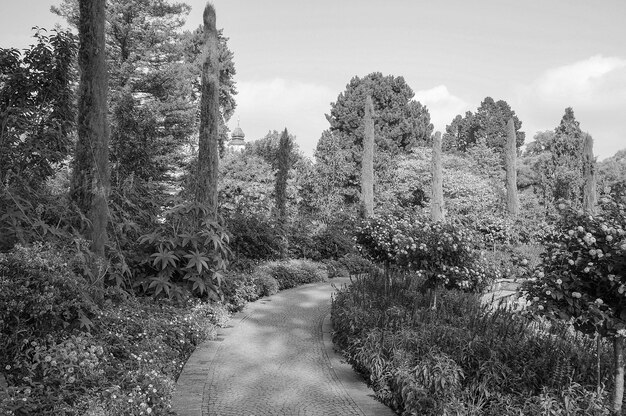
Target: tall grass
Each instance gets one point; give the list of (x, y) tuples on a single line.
[(466, 356)]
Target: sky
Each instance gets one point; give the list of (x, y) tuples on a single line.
[(294, 57)]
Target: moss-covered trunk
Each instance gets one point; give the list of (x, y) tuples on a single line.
[(436, 204), (510, 154), (618, 389), (589, 176), (367, 161), (90, 180), (208, 141)]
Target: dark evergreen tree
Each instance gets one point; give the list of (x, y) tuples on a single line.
[(208, 148), (90, 176)]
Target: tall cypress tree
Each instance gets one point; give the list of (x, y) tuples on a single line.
[(589, 176), (436, 206), (367, 161), (510, 157), (284, 163), (208, 141), (90, 176)]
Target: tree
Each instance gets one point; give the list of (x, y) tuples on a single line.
[(208, 149), (400, 124), (284, 165), (489, 122), (612, 175), (436, 206), (589, 176), (559, 161), (367, 164), (90, 176), (37, 113), (155, 84), (512, 201)]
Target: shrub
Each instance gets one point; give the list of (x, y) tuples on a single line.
[(239, 289), (441, 251), (336, 268), (355, 264), (187, 252), (291, 273), (255, 237), (267, 285), (39, 296)]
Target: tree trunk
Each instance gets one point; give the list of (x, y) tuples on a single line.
[(90, 176), (208, 147), (512, 202), (589, 176), (436, 204), (367, 162), (618, 391)]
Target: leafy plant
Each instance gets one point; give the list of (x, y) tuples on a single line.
[(187, 251)]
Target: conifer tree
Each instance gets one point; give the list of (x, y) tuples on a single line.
[(284, 163), (208, 141), (90, 175), (436, 206), (589, 176), (510, 156), (367, 161)]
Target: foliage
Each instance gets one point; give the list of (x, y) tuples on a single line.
[(466, 190), (154, 84), (126, 364), (400, 123), (291, 273), (441, 252), (187, 251), (40, 296), (255, 237), (36, 108), (283, 164), (557, 160), (583, 273), (488, 122), (612, 175), (465, 357), (245, 185)]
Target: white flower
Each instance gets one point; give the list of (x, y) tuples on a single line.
[(559, 281), (586, 269), (571, 262), (540, 307), (599, 301), (576, 295), (548, 292)]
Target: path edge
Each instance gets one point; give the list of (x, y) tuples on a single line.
[(353, 384)]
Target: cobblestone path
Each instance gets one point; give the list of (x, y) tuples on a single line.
[(273, 361)]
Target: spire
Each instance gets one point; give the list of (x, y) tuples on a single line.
[(237, 138)]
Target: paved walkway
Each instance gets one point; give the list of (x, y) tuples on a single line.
[(276, 359)]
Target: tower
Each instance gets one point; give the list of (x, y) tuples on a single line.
[(236, 142)]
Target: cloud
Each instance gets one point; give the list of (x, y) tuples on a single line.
[(587, 82), (595, 88), (277, 104), (442, 105)]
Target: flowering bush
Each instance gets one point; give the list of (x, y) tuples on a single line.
[(440, 251), (583, 271)]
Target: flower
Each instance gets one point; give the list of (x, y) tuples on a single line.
[(576, 295), (548, 292), (599, 301), (559, 281)]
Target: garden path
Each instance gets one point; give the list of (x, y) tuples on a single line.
[(276, 359)]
